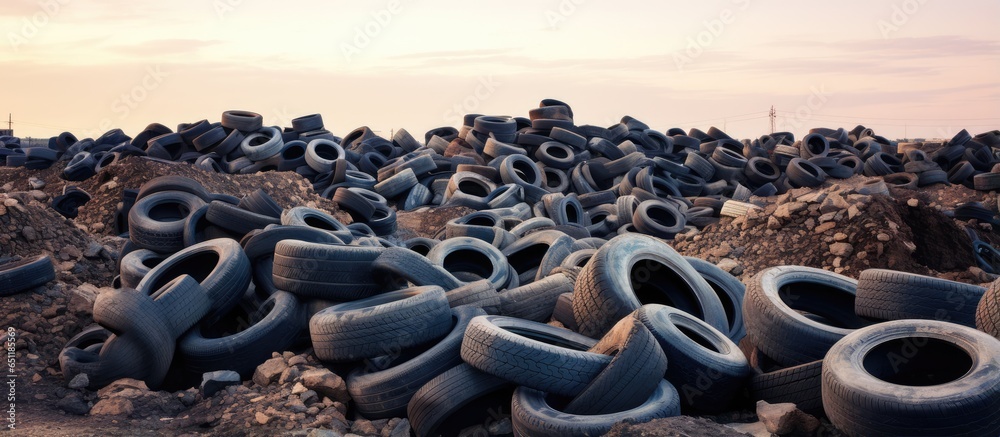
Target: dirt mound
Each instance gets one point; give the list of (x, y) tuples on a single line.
[(287, 188), (839, 229)]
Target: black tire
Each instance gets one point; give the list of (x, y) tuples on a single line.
[(533, 415), (322, 155), (263, 144), (261, 203), (988, 311), (259, 248), (220, 266), (196, 227), (379, 325), (236, 220), (637, 366), (470, 259), (172, 183), (156, 222), (610, 286), (532, 354), (520, 170), (556, 155), (730, 291), (183, 302), (360, 208), (402, 263), (134, 316), (775, 305), (325, 271), (534, 256), (312, 218), (659, 219), (382, 388), (799, 385), (456, 399), (398, 184), (893, 295), (986, 181), (244, 339), (479, 294), (535, 301), (700, 165), (136, 264), (804, 173), (307, 123), (25, 274), (243, 121), (697, 353), (913, 377)]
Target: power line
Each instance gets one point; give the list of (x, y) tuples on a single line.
[(902, 119), (721, 118)]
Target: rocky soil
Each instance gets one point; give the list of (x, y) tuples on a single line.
[(836, 227)]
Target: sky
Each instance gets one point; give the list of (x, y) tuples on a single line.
[(906, 68)]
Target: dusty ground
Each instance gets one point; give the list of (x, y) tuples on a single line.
[(905, 231)]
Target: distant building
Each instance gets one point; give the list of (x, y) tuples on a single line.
[(7, 132)]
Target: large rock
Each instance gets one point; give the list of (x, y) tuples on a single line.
[(269, 371), (113, 407), (326, 383), (786, 210), (212, 382), (785, 418)]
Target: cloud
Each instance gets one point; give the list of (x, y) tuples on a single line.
[(163, 47)]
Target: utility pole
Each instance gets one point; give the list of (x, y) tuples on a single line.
[(773, 115), (10, 121)]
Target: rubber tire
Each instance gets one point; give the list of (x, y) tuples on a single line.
[(164, 236), (325, 271), (860, 403), (730, 291), (136, 264), (988, 311), (800, 385), (532, 354), (378, 325), (787, 336), (532, 415), (535, 301), (398, 262), (479, 294), (239, 221), (637, 366), (696, 351), (251, 345), (892, 295), (383, 388), (604, 293), (220, 266), (26, 274), (456, 399)]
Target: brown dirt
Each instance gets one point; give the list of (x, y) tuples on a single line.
[(882, 231)]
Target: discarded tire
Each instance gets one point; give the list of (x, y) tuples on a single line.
[(947, 384)]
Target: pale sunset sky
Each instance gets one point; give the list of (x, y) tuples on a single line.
[(921, 68)]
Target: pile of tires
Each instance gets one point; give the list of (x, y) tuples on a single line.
[(571, 225), (891, 353)]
